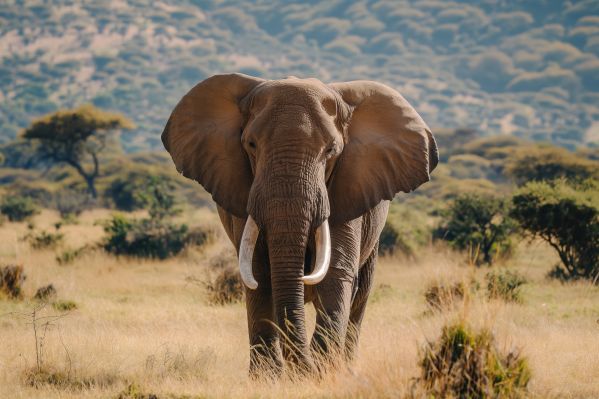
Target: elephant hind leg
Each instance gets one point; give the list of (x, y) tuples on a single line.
[(358, 307)]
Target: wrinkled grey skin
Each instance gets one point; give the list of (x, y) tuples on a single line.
[(293, 153)]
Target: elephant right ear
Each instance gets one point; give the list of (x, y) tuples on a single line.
[(203, 136)]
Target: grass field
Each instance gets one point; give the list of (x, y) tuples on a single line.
[(144, 323)]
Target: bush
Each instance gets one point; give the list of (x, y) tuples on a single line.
[(153, 237), (12, 278), (505, 285), (440, 296), (70, 204), (17, 209), (144, 238), (125, 193), (478, 223), (226, 287), (566, 216), (464, 364)]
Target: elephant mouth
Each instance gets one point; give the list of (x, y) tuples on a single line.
[(248, 243)]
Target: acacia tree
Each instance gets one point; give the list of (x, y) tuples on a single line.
[(566, 216), (479, 223), (76, 137)]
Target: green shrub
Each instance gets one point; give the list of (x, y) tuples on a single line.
[(153, 237), (478, 223), (566, 216), (125, 192), (505, 285), (405, 231), (12, 278), (465, 364), (17, 208), (144, 238)]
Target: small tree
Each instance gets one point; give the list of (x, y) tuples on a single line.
[(567, 218), (76, 137), (479, 223)]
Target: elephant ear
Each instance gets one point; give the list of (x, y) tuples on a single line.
[(203, 136), (388, 149)]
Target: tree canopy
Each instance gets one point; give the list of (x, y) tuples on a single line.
[(76, 137)]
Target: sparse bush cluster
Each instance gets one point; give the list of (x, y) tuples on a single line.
[(153, 237), (44, 239)]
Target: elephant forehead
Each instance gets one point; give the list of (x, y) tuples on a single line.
[(306, 91)]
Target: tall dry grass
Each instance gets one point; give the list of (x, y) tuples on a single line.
[(142, 322)]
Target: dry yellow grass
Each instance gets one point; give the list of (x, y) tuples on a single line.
[(141, 322)]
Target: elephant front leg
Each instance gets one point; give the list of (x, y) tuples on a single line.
[(334, 295), (265, 352), (358, 306)]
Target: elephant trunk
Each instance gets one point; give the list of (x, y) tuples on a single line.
[(289, 203)]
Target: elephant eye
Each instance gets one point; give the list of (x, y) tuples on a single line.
[(252, 144)]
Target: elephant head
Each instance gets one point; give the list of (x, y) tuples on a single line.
[(292, 156)]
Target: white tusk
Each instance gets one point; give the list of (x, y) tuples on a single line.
[(323, 255), (246, 253)]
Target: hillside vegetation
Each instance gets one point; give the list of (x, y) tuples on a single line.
[(524, 68)]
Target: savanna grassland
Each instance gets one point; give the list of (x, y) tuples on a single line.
[(146, 326)]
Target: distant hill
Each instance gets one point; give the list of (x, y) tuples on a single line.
[(523, 68)]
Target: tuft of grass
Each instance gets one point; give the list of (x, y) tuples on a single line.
[(466, 364), (43, 378), (68, 256), (440, 296), (226, 287), (12, 278), (134, 391), (45, 293), (64, 306), (505, 285)]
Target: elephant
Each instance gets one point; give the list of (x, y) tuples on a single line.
[(302, 173)]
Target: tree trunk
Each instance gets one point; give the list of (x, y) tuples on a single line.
[(91, 186)]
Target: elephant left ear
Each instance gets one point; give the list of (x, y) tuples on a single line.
[(389, 148)]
